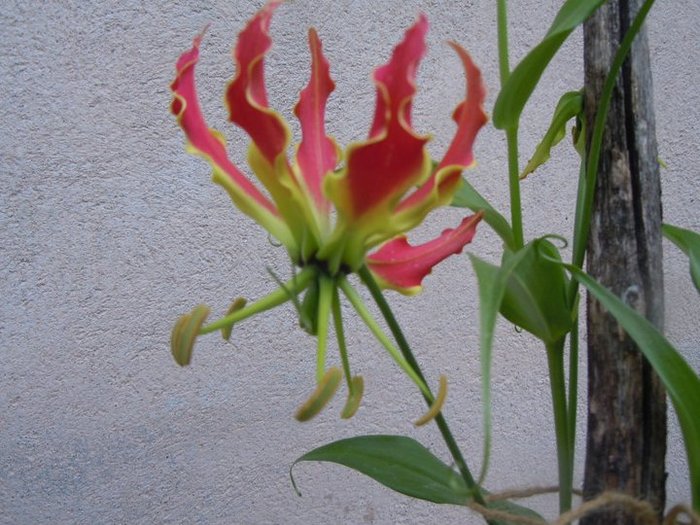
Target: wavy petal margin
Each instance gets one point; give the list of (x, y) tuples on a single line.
[(396, 80), (246, 99), (210, 145), (402, 267), (317, 154), (470, 118), (246, 96), (379, 171)]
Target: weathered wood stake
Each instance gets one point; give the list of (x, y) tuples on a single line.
[(626, 441)]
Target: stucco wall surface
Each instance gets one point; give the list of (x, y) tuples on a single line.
[(109, 231)]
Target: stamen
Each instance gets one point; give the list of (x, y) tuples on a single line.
[(238, 304), (436, 407), (354, 397), (321, 396), (185, 332)]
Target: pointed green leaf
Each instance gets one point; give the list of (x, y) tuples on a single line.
[(522, 81), (570, 106), (467, 197), (492, 286), (681, 382), (516, 510), (397, 462), (536, 293), (689, 242), (404, 465)]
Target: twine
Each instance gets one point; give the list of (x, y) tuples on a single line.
[(641, 510), (673, 515)]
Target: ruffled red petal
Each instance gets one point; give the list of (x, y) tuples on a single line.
[(246, 96), (185, 106), (400, 266), (317, 154)]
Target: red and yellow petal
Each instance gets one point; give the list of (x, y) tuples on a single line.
[(396, 80), (317, 154), (402, 267), (379, 171), (470, 117), (246, 95), (210, 145), (246, 99)]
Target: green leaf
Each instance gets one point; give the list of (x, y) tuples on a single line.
[(681, 382), (492, 286), (404, 465), (397, 462), (515, 509), (570, 106), (467, 197), (536, 293), (522, 81), (689, 242)]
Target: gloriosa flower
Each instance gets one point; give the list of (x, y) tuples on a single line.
[(380, 187)]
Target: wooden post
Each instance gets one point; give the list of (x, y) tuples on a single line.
[(626, 441)]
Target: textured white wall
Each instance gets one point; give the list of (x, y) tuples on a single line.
[(109, 231)]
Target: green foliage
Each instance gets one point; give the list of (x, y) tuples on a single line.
[(397, 462), (492, 286), (689, 242), (515, 510), (570, 106), (405, 466), (522, 81), (535, 298), (467, 197)]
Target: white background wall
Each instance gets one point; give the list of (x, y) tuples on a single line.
[(109, 231)]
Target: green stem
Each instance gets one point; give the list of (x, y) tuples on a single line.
[(511, 133), (581, 193), (366, 316), (373, 287), (514, 187), (324, 309), (340, 336), (283, 294), (555, 360), (573, 389), (503, 61)]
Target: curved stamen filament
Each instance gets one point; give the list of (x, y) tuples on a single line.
[(340, 336), (436, 407), (355, 384), (283, 294), (376, 330), (321, 396), (354, 397), (324, 308)]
